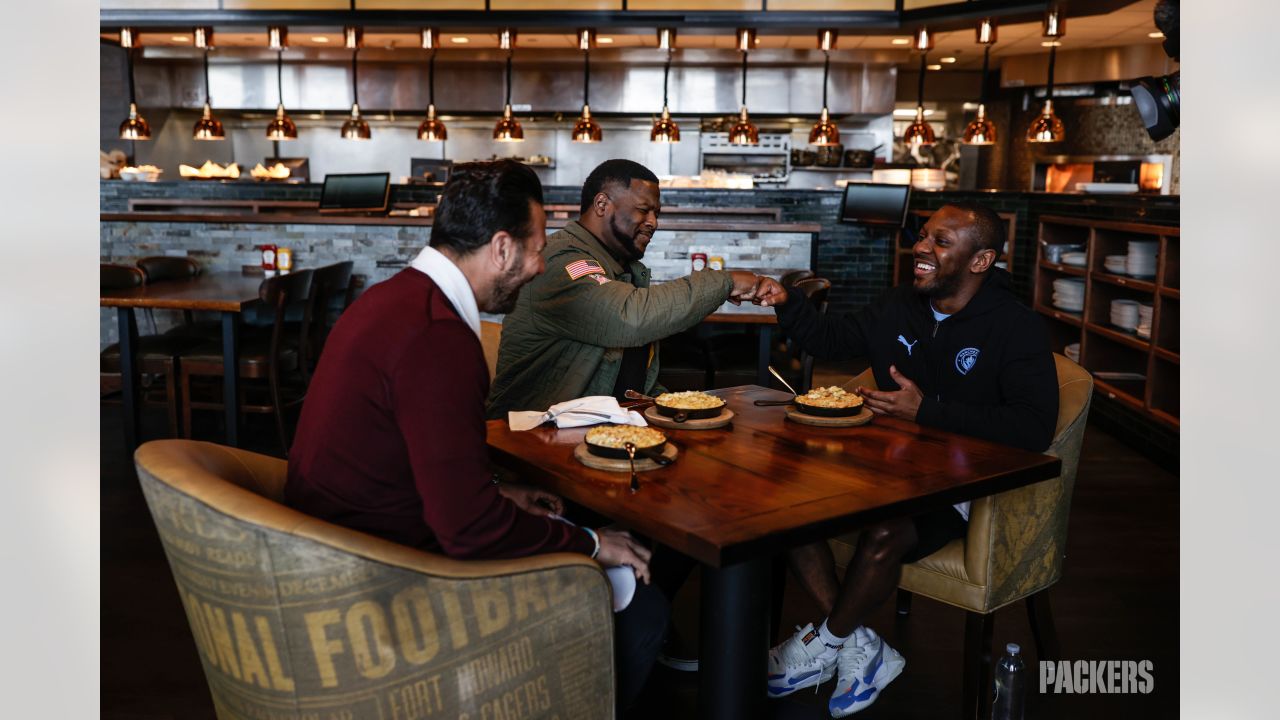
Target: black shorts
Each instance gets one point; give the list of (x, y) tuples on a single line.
[(934, 529)]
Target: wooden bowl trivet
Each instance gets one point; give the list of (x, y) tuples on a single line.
[(584, 456), (861, 418), (724, 418)]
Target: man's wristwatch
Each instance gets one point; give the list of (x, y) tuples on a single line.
[(596, 539)]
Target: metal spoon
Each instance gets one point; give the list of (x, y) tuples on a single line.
[(784, 382), (631, 455)]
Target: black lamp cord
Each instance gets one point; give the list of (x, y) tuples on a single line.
[(206, 77), (986, 59), (744, 78), (508, 102), (355, 90), (280, 76), (666, 75), (920, 88), (133, 100), (586, 77), (431, 79), (1048, 93), (826, 71)]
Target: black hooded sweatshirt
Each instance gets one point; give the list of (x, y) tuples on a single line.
[(987, 371)]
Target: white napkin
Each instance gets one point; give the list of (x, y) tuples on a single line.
[(581, 412), (622, 579)]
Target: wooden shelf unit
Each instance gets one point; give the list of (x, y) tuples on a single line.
[(1105, 348), (903, 265)]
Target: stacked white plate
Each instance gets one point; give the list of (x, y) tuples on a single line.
[(1118, 264), (1124, 314), (1144, 321), (1075, 259), (1141, 261), (1054, 253), (1068, 294), (1072, 352)]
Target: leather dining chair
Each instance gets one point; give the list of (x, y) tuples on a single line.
[(328, 284), (817, 290), (166, 268), (1014, 550), (295, 617), (274, 357), (490, 339), (156, 354)]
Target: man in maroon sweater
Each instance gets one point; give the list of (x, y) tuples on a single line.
[(392, 435)]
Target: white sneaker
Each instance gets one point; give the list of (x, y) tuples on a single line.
[(865, 669), (795, 665)]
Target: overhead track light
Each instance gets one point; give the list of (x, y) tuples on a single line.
[(277, 37), (430, 38), (508, 128), (827, 39), (666, 38), (352, 37)]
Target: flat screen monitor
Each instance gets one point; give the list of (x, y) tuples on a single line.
[(875, 204), (355, 193)]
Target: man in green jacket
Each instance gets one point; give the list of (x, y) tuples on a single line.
[(590, 324)]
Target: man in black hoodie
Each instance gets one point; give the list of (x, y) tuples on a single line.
[(956, 351)]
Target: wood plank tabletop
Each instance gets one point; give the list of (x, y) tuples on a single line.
[(746, 314), (765, 484), (227, 291)]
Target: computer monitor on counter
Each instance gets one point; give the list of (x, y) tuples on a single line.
[(875, 204)]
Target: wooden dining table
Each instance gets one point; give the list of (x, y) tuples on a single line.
[(228, 293), (737, 497)]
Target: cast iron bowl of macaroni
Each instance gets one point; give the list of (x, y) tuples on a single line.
[(829, 402), (610, 441), (690, 404)]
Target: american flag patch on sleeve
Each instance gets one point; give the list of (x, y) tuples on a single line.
[(579, 268)]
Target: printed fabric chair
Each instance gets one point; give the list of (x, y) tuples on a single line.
[(1014, 550), (294, 617)]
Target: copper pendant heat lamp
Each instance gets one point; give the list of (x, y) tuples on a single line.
[(744, 132), (1047, 127), (920, 132), (207, 127), (431, 129), (508, 128), (282, 126), (665, 130), (980, 130), (586, 129), (825, 132), (356, 127), (134, 127)]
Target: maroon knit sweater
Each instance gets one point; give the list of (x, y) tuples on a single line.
[(392, 436)]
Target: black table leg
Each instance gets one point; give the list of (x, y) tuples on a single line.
[(231, 375), (764, 352), (734, 641), (128, 376)]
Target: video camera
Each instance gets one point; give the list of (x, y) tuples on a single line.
[(1159, 99)]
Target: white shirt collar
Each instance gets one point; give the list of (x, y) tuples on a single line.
[(452, 283)]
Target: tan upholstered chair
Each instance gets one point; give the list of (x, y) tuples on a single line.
[(1014, 551), (490, 338), (297, 618)]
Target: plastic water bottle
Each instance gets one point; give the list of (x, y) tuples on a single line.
[(1011, 685)]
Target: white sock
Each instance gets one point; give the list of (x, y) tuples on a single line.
[(831, 643)]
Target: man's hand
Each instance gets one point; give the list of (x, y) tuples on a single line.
[(744, 286), (617, 547), (532, 500), (769, 292), (904, 403)]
